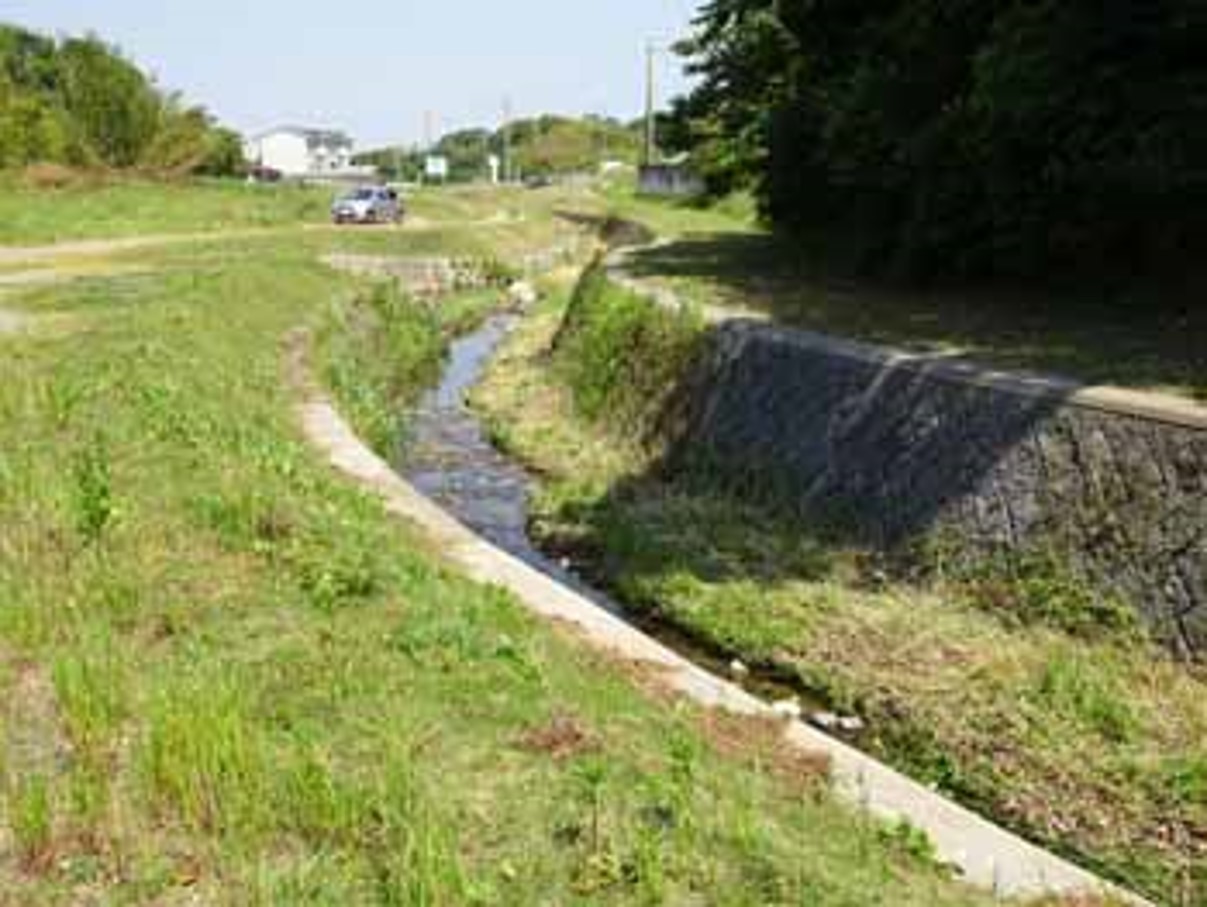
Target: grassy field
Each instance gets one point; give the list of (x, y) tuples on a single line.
[(33, 215), (230, 678), (1092, 742)]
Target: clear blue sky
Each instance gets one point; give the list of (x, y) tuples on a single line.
[(374, 67)]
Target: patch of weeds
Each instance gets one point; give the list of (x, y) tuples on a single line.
[(921, 754), (245, 520), (378, 350), (1038, 587), (31, 819), (91, 691), (1185, 778), (762, 877), (337, 559), (910, 841), (449, 640), (414, 856), (114, 597), (95, 508), (622, 356), (204, 759), (1181, 779), (1078, 688), (346, 575), (64, 397), (443, 643), (600, 868), (89, 796)]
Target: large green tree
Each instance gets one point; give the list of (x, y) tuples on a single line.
[(80, 102), (932, 138)]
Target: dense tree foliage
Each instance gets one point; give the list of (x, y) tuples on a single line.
[(952, 137), (541, 146), (80, 102), (551, 145)]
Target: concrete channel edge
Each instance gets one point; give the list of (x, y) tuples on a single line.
[(987, 855)]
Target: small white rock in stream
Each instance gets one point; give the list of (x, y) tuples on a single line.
[(738, 669), (787, 708), (845, 724), (522, 294)]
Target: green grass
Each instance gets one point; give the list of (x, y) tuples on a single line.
[(32, 216), (1092, 742), (377, 347), (232, 678), (684, 218)]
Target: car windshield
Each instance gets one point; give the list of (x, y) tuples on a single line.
[(360, 195)]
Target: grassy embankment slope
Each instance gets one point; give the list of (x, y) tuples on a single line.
[(228, 676), (1005, 692)]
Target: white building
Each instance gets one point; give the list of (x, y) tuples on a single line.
[(298, 152)]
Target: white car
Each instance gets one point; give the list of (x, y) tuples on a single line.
[(368, 205)]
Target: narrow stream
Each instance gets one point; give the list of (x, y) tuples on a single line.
[(448, 457)]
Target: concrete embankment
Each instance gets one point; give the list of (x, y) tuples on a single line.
[(892, 447)]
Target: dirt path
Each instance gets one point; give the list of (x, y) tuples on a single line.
[(88, 247), (10, 255)]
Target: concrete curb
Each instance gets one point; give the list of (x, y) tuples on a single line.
[(987, 855)]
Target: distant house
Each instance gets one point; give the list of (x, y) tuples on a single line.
[(299, 152), (675, 180)]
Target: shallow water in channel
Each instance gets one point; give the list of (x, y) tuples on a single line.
[(449, 458)]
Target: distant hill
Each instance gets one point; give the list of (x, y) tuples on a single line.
[(539, 146), (80, 102)]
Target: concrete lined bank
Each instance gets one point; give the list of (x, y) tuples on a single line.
[(988, 855), (892, 447)]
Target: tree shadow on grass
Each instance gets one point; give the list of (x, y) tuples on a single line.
[(1158, 341)]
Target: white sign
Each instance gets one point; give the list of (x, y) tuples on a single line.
[(436, 167)]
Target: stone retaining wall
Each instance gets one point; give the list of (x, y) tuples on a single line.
[(436, 276), (897, 446)]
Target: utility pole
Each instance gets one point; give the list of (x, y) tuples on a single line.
[(651, 136)]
